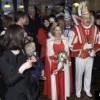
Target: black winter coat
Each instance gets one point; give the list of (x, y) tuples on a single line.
[(19, 87)]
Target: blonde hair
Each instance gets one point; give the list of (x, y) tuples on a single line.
[(30, 48), (54, 26)]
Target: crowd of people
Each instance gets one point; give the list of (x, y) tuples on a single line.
[(59, 48)]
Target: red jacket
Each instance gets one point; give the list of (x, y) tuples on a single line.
[(80, 38), (42, 37)]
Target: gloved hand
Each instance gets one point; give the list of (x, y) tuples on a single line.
[(28, 64), (87, 46), (59, 65), (92, 53)]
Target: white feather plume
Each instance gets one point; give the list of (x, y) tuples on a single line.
[(81, 5)]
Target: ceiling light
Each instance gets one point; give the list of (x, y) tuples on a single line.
[(76, 3), (21, 6), (7, 5)]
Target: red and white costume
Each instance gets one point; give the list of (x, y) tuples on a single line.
[(59, 83), (81, 35), (77, 20)]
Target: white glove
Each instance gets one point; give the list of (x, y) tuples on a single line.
[(87, 46), (24, 66), (27, 65), (92, 53), (59, 66)]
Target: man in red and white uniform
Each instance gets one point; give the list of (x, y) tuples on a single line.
[(84, 40)]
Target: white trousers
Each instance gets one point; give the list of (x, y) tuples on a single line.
[(67, 83), (83, 66)]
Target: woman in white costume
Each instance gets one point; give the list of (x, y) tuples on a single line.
[(59, 78)]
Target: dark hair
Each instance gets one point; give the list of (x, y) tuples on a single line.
[(93, 12), (14, 38), (19, 14), (97, 17), (45, 18), (7, 21), (97, 12), (47, 29)]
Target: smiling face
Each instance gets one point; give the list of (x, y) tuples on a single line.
[(57, 31), (86, 20), (46, 23), (67, 22)]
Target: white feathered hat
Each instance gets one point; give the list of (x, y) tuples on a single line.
[(83, 9)]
